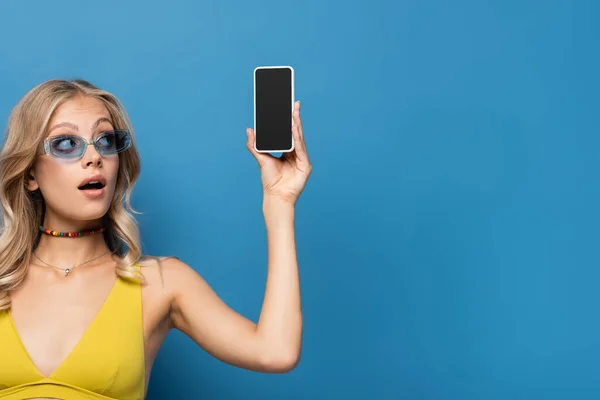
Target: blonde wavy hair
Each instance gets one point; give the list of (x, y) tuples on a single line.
[(22, 211)]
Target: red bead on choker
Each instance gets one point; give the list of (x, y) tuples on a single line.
[(86, 232)]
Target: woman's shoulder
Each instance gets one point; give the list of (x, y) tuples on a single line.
[(166, 271), (149, 261), (161, 264)]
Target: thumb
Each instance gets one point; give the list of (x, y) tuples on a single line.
[(261, 158)]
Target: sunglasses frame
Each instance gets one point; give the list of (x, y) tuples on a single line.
[(46, 149)]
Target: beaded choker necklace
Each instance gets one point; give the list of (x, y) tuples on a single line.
[(86, 232)]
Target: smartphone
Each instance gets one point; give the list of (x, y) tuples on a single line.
[(273, 108)]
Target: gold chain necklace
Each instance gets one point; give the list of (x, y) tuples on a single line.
[(68, 270)]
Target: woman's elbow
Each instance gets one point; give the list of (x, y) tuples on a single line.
[(281, 362)]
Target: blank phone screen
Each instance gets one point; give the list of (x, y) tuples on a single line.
[(273, 109)]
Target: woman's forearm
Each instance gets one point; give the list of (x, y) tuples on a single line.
[(280, 322)]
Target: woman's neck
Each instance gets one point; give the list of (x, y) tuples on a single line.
[(69, 251)]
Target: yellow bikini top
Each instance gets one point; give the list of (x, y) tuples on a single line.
[(107, 362)]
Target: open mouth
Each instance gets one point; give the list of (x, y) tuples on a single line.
[(91, 186)]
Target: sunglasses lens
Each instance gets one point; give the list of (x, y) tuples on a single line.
[(113, 142), (67, 146)]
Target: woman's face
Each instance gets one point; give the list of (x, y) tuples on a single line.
[(68, 204)]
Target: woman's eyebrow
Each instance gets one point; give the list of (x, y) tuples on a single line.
[(76, 128)]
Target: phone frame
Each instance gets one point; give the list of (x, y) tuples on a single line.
[(291, 111)]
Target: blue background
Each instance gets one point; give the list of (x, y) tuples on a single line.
[(448, 237)]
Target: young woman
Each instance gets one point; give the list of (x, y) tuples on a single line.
[(82, 312)]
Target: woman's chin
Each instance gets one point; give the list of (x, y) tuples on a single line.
[(87, 213)]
